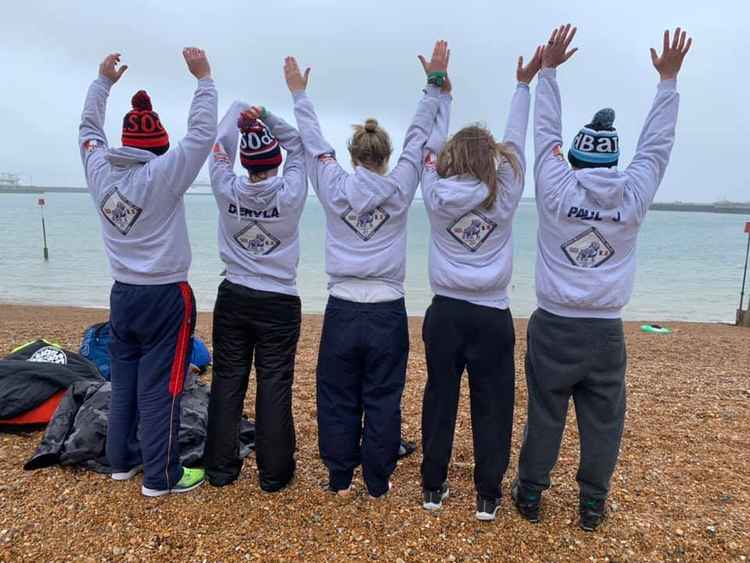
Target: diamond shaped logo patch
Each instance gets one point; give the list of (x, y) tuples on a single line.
[(588, 250), (119, 211), (256, 240), (365, 224), (472, 229)]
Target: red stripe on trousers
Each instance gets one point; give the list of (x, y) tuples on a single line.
[(177, 377)]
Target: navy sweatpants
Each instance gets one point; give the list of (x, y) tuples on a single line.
[(150, 347), (361, 369)]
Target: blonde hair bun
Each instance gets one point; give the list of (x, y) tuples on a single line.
[(371, 125)]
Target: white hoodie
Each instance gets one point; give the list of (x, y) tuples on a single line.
[(259, 223), (589, 219), (139, 195), (366, 213), (471, 249)]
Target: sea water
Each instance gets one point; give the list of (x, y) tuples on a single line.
[(689, 264)]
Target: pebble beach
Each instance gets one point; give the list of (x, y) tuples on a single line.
[(681, 491)]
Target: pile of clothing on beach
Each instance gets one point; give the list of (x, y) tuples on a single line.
[(42, 383), (77, 433)]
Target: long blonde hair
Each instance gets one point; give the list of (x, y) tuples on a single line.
[(370, 146), (474, 152)]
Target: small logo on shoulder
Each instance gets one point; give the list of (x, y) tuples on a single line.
[(91, 145), (472, 229), (256, 240), (365, 224), (119, 211), (588, 250)]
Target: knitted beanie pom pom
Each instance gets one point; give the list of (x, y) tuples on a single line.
[(141, 101), (603, 120)]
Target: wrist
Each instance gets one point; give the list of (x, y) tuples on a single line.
[(668, 75), (106, 79)]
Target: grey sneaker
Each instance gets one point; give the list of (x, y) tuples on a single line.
[(126, 475), (433, 500), (487, 508)]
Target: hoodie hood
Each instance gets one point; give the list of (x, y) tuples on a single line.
[(365, 190), (129, 156), (460, 191), (605, 185), (260, 194)]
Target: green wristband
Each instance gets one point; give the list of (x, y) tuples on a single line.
[(437, 74), (437, 78), (263, 112)]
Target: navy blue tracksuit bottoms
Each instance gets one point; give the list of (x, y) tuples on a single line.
[(151, 326), (361, 369)]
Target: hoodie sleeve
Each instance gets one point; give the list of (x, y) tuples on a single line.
[(518, 123), (654, 146), (178, 167), (510, 183), (224, 152), (92, 142), (295, 176), (551, 172), (325, 172), (439, 134), (409, 166)]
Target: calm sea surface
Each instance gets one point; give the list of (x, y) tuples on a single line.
[(689, 264)]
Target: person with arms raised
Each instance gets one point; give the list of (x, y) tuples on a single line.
[(365, 342), (472, 186), (258, 309), (138, 193), (590, 214)]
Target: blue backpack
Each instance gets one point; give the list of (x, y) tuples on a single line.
[(95, 347)]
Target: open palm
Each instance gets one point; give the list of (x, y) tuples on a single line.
[(668, 64)]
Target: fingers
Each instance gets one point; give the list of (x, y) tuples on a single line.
[(424, 63), (519, 64), (676, 38), (665, 46), (307, 75), (121, 71), (654, 56), (571, 53), (552, 37), (687, 46), (569, 38), (447, 57), (681, 44)]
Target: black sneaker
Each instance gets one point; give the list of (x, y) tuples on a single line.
[(487, 508), (593, 512), (433, 500), (527, 502)]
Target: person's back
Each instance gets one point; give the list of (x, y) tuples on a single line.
[(589, 218), (365, 340), (137, 191), (471, 187), (257, 314)]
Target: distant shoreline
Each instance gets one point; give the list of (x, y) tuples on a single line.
[(717, 207)]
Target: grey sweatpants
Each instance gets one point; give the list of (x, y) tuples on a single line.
[(585, 359)]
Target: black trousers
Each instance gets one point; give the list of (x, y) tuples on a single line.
[(457, 335), (584, 359), (267, 324), (361, 369)]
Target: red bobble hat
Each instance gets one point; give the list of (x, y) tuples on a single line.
[(259, 149), (142, 128)]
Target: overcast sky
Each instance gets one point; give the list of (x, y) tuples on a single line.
[(363, 57)]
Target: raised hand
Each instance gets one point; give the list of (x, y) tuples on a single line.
[(197, 62), (108, 67), (295, 80), (556, 51), (441, 56), (255, 112), (668, 64), (526, 74)]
